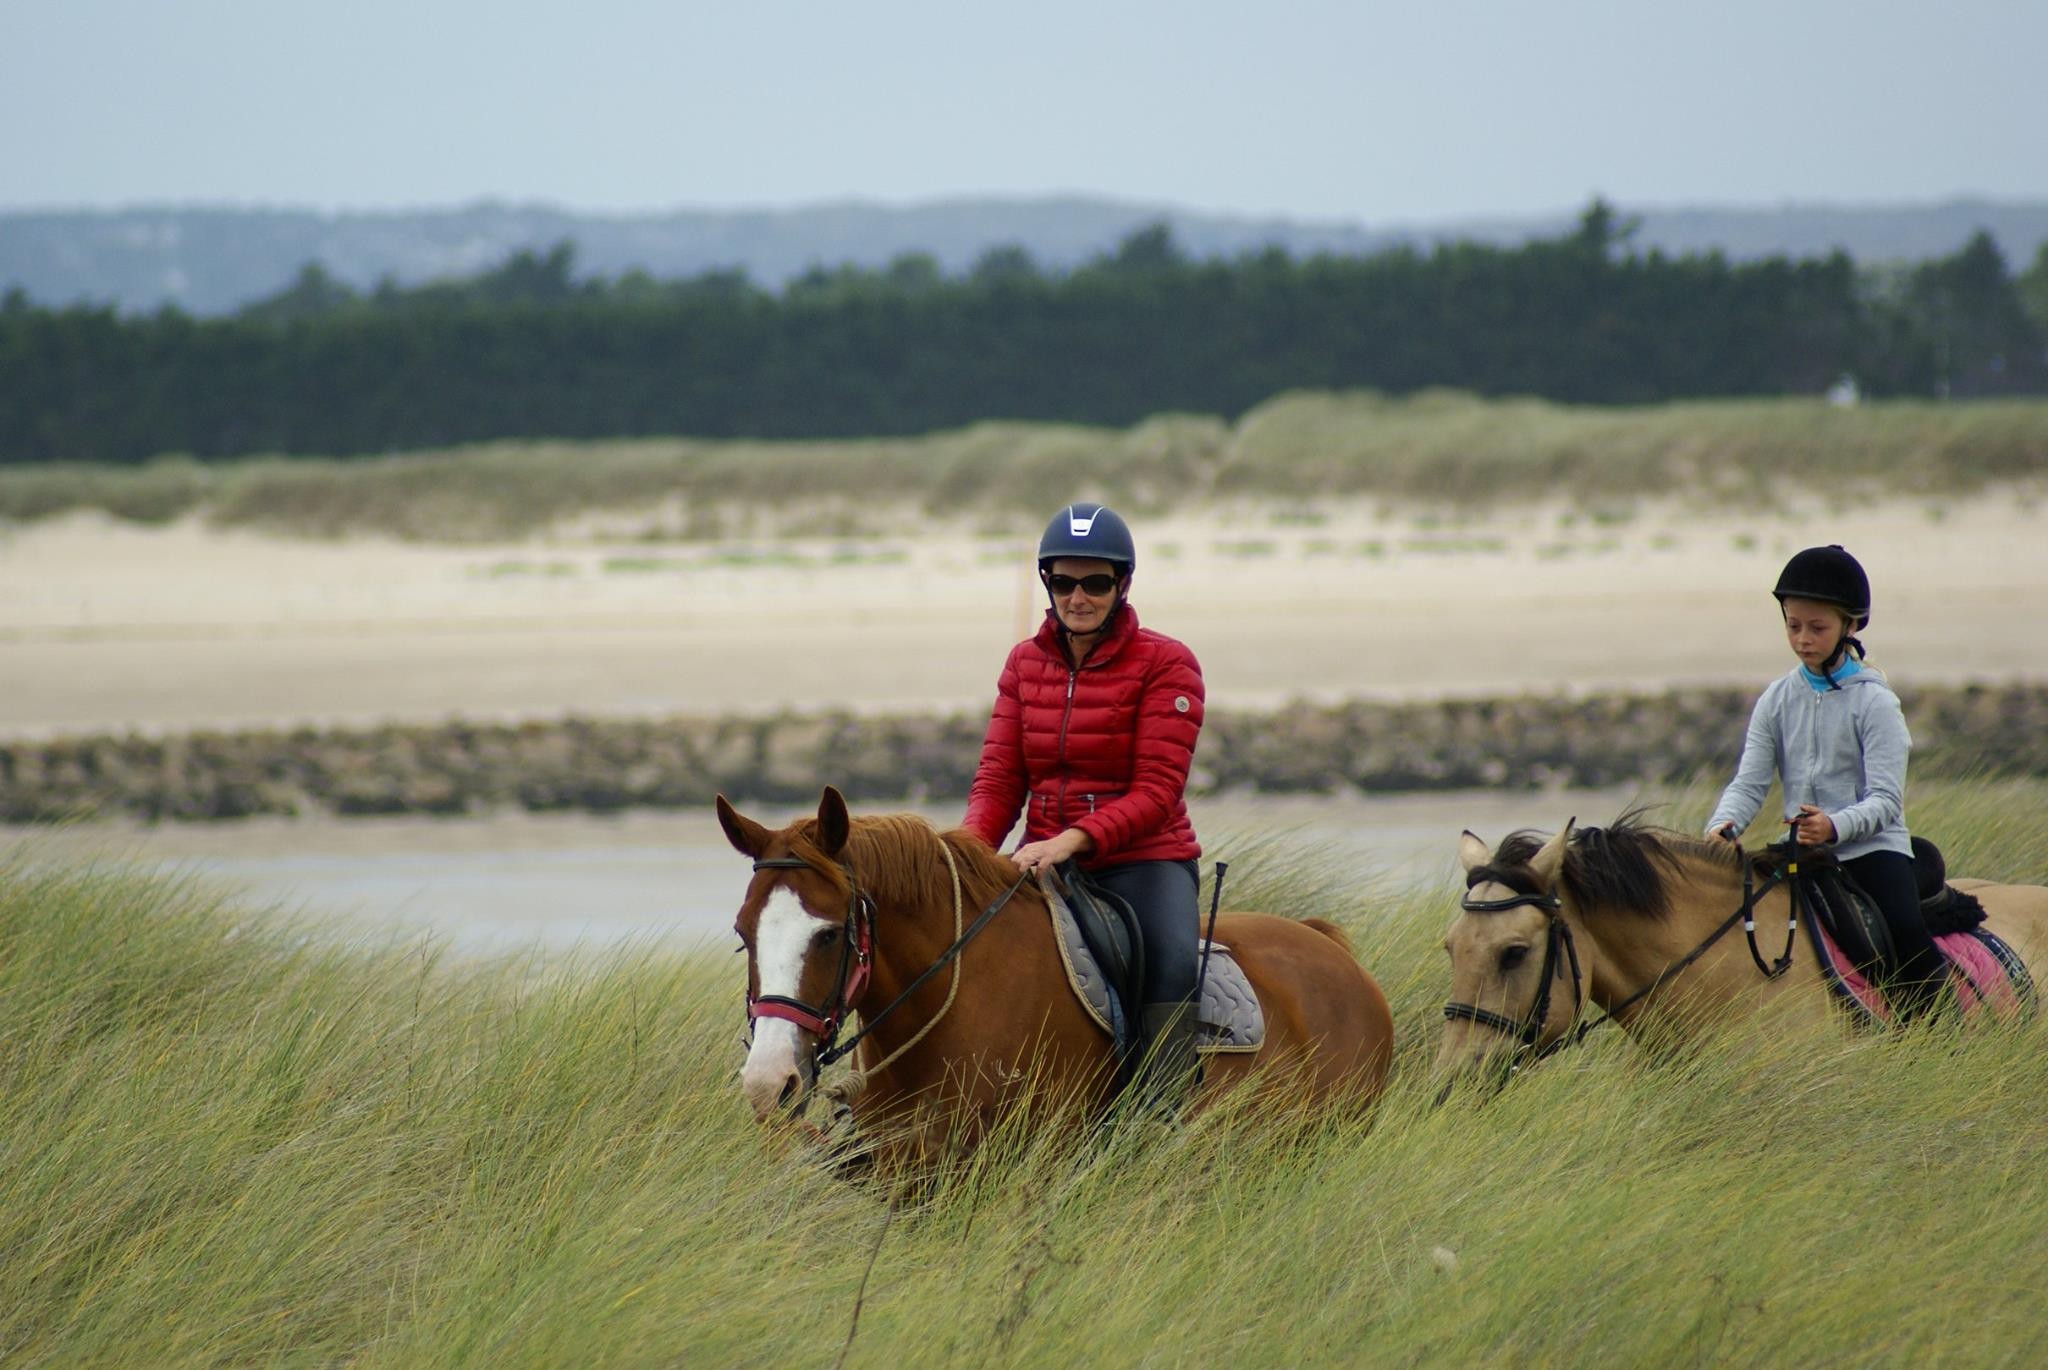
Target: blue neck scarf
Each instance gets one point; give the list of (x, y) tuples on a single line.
[(1818, 683)]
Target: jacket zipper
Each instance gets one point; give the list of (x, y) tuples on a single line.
[(1073, 674)]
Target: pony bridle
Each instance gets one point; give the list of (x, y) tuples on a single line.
[(856, 966), (1529, 1028)]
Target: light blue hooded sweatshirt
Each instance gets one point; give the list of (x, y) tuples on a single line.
[(1843, 751)]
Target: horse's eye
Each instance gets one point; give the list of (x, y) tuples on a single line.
[(826, 937), (1510, 957)]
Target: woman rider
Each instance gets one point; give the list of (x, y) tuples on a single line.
[(1091, 737)]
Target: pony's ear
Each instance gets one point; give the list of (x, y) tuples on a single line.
[(1472, 852), (833, 823), (1549, 858), (748, 838)]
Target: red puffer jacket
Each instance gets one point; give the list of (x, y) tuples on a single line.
[(1104, 748)]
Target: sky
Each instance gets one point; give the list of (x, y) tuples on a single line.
[(1359, 112)]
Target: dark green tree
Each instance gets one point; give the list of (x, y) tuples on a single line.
[(313, 292), (1970, 310)]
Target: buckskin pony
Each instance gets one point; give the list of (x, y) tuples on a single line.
[(856, 915), (1647, 925)]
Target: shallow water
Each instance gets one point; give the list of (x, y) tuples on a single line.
[(559, 880)]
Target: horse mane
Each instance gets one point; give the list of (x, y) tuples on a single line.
[(895, 858), (1624, 868)]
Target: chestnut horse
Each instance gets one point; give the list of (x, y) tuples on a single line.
[(1642, 923), (846, 915)]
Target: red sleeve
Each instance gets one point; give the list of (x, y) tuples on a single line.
[(1169, 720), (997, 795)]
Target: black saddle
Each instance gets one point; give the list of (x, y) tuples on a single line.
[(1945, 908), (1856, 923), (1852, 918), (1111, 930)]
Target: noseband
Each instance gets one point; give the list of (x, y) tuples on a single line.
[(1557, 933), (856, 965)]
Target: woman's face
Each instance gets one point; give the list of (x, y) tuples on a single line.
[(1814, 628), (1073, 582)]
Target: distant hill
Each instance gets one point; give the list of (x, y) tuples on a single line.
[(213, 260)]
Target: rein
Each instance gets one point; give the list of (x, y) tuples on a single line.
[(856, 962), (1529, 1028)]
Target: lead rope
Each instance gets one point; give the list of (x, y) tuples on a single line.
[(843, 1091)]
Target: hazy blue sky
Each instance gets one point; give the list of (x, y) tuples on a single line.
[(1313, 110)]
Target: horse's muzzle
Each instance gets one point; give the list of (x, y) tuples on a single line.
[(776, 1080)]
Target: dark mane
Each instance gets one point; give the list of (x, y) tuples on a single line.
[(1623, 868)]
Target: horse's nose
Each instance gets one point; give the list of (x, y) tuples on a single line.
[(770, 1089)]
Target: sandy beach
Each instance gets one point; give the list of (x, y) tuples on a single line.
[(108, 626)]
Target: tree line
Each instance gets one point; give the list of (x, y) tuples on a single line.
[(529, 350)]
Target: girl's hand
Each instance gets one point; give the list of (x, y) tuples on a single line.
[(1039, 855), (1814, 828), (1726, 832)]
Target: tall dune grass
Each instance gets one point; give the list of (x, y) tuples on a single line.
[(1437, 446), (228, 1140)]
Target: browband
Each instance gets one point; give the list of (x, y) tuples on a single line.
[(1547, 902)]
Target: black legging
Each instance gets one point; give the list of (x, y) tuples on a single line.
[(1887, 877), (1162, 893)]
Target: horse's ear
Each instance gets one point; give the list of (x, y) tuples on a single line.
[(1549, 858), (833, 823), (1472, 852), (748, 838)]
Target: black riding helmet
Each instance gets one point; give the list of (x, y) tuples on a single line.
[(1084, 529), (1831, 576), (1088, 530)]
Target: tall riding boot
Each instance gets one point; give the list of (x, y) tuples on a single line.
[(1171, 1066)]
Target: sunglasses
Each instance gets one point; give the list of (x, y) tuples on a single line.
[(1096, 585)]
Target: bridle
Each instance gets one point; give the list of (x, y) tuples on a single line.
[(856, 969), (856, 966), (1529, 1027), (1557, 933)]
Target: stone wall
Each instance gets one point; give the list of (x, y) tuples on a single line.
[(598, 765)]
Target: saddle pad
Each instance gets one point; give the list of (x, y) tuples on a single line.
[(1987, 974), (1230, 1017)]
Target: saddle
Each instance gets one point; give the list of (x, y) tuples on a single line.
[(1946, 908), (1111, 934), (1853, 919), (1830, 896), (1107, 976), (1854, 943)]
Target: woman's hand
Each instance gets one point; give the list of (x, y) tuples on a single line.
[(1038, 855), (1812, 827)]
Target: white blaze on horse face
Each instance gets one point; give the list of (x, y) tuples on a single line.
[(781, 939)]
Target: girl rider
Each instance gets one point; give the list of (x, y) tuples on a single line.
[(1833, 731), (1091, 737)]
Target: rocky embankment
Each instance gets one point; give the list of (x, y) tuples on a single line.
[(599, 765)]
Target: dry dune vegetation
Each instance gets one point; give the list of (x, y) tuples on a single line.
[(234, 1141), (1436, 446)]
